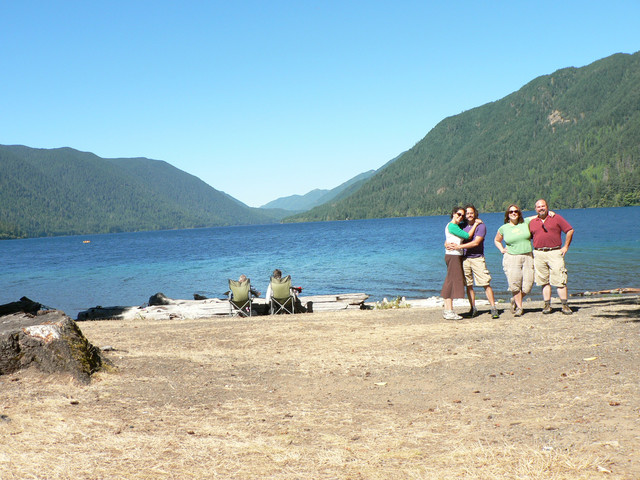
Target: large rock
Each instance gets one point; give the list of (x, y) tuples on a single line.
[(52, 342)]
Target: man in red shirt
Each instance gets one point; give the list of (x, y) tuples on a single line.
[(549, 252)]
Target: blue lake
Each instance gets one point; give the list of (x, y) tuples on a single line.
[(381, 257)]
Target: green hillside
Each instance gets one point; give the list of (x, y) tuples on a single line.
[(64, 191), (572, 137)]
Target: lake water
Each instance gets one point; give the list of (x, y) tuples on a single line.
[(382, 257)]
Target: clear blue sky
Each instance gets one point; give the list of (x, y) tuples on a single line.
[(263, 99)]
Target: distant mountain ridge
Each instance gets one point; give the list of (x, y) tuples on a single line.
[(572, 137), (297, 203), (47, 192), (301, 203)]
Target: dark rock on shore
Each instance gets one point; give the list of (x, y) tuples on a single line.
[(24, 305), (159, 299)]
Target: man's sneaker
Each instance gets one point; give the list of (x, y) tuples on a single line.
[(473, 312), (494, 313), (518, 312), (566, 309), (547, 308), (451, 315)]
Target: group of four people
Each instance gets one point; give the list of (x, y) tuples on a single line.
[(522, 263)]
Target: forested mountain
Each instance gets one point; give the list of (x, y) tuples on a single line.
[(572, 137), (64, 191), (347, 188), (301, 203)]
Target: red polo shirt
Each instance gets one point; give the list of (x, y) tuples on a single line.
[(551, 235)]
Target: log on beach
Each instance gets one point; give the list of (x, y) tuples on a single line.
[(160, 307), (108, 313), (615, 291), (168, 311), (330, 303)]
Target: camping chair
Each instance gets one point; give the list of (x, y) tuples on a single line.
[(282, 298), (240, 297)]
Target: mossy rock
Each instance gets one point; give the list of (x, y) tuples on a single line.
[(52, 342)]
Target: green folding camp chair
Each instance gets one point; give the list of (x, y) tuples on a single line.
[(240, 297), (282, 299)]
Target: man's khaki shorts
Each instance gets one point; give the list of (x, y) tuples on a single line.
[(550, 268), (476, 269)]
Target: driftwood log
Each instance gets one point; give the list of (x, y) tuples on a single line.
[(615, 291), (331, 303), (52, 342)]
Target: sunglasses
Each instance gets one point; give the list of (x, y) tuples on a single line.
[(458, 214), (514, 211)]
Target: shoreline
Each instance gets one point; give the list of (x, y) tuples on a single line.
[(219, 308)]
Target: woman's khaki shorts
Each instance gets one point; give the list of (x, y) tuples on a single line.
[(519, 272)]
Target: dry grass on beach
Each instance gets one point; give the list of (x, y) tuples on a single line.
[(352, 395)]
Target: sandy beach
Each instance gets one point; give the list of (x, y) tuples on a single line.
[(371, 394)]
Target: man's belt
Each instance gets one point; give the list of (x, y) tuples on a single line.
[(547, 249)]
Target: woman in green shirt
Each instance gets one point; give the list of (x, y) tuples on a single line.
[(517, 260)]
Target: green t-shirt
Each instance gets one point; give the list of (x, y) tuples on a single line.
[(517, 237), (454, 229)]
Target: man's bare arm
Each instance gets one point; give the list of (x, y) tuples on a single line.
[(567, 241)]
